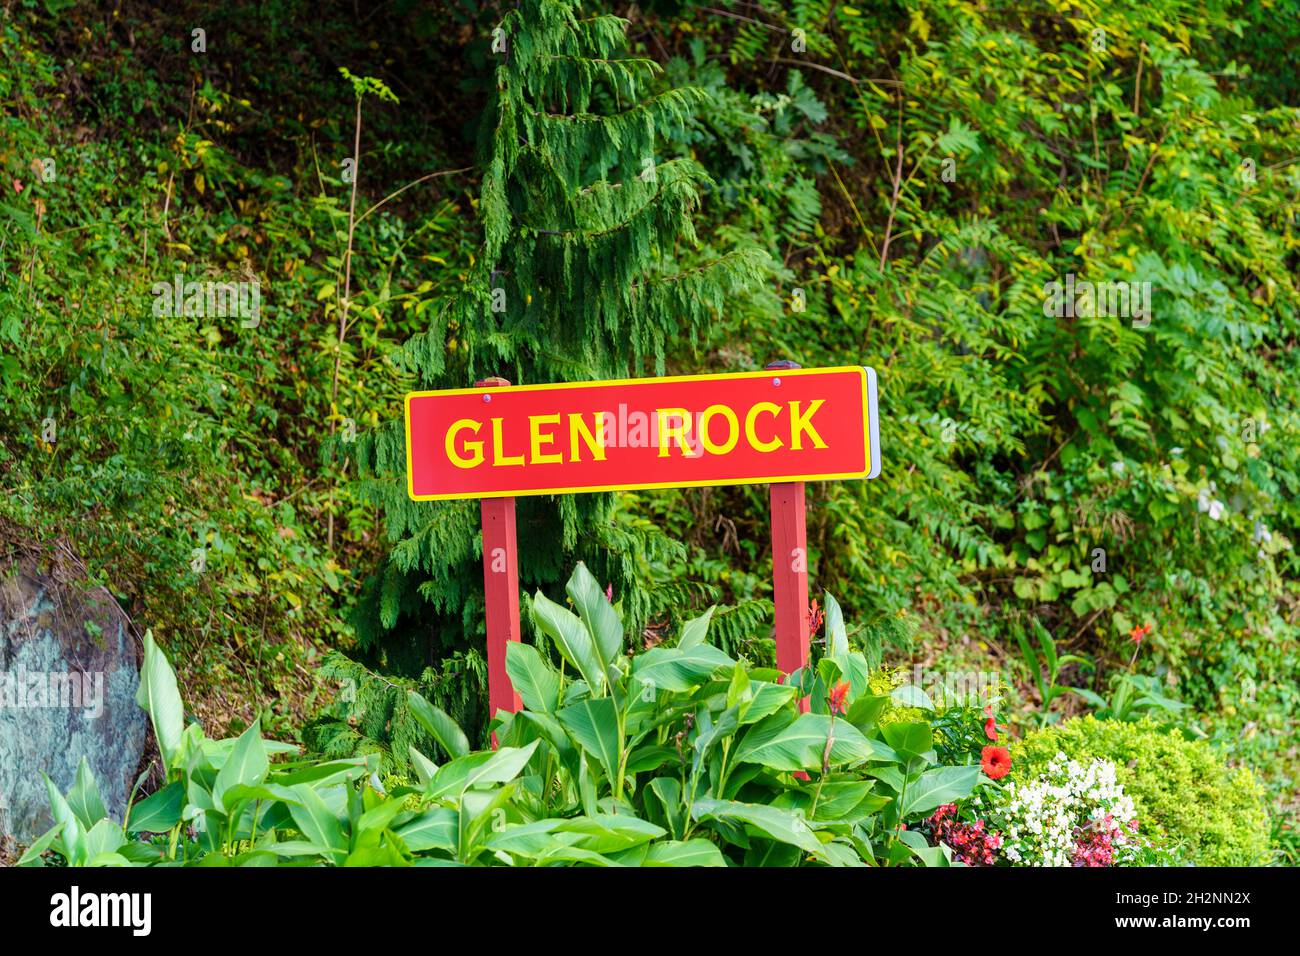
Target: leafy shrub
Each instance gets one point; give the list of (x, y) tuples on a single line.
[(679, 756), (1208, 813)]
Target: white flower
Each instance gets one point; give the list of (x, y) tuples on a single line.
[(1216, 510), (1040, 820)]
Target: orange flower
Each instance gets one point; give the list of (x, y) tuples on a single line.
[(815, 618), (996, 762), (1139, 632), (838, 698)]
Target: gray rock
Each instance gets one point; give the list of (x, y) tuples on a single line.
[(69, 668)]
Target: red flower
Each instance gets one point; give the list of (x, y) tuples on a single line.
[(18, 186), (990, 729), (815, 617), (838, 698), (996, 762), (969, 842), (1139, 632)]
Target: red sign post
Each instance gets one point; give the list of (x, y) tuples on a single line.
[(782, 426), (500, 590)]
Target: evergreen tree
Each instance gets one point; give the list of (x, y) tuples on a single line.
[(578, 280)]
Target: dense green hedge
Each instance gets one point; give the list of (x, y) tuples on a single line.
[(1208, 813)]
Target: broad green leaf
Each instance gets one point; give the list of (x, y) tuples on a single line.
[(775, 824), (530, 839), (865, 711), (158, 812), (840, 853), (476, 769), (303, 848), (573, 640), (424, 767), (782, 744), (599, 615), (838, 801), (909, 739), (70, 841), (434, 829), (920, 847), (378, 818), (104, 838), (837, 638), (937, 787), (738, 690), (688, 853), (476, 811), (650, 758), (158, 695), (439, 725), (385, 854), (593, 723), (675, 669), (768, 699), (84, 798), (246, 765), (537, 682), (696, 630), (607, 833), (318, 823), (666, 792), (772, 854), (547, 728), (330, 772), (33, 855), (139, 853)]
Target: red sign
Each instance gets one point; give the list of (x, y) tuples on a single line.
[(746, 428)]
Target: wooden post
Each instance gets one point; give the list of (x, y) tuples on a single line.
[(500, 590), (790, 567)]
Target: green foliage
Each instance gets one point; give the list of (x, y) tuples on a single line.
[(1059, 468), (1206, 812), (176, 455), (899, 194), (370, 713), (1044, 666), (576, 280), (1134, 696), (679, 756)]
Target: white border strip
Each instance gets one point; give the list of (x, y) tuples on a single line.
[(874, 422)]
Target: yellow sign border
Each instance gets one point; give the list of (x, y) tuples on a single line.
[(871, 433)]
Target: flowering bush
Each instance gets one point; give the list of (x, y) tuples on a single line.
[(1187, 797), (1076, 814), (971, 843)]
